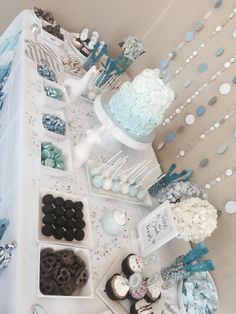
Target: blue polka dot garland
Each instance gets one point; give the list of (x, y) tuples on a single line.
[(219, 51), (200, 111), (189, 36), (202, 67), (218, 3), (169, 137)]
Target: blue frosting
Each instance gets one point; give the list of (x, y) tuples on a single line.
[(139, 106)]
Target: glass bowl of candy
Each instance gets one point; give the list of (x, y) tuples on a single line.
[(54, 124), (64, 272), (55, 158), (194, 289), (55, 95)]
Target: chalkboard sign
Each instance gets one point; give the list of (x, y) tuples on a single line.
[(156, 229)]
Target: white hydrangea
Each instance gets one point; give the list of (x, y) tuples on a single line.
[(195, 219)]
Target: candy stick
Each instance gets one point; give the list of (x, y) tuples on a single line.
[(145, 177), (108, 171), (110, 160), (141, 169), (122, 164), (134, 167), (139, 174)]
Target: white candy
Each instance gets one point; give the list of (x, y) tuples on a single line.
[(125, 188), (107, 184)]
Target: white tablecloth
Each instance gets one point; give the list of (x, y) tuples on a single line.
[(20, 180)]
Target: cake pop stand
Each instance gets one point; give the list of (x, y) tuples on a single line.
[(102, 111)]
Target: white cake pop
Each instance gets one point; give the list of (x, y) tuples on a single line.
[(95, 171), (133, 191), (141, 194), (115, 187), (98, 181), (107, 184), (124, 188)]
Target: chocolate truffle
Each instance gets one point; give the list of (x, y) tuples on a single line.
[(69, 236), (47, 230), (47, 209), (79, 214), (78, 205), (59, 233), (80, 224), (48, 219), (59, 211), (69, 213), (58, 201), (48, 199), (70, 224), (79, 235), (60, 221), (68, 204)]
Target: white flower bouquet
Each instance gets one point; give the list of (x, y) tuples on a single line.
[(195, 219)]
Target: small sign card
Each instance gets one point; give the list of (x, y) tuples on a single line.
[(156, 229)]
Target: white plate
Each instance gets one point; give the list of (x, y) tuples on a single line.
[(123, 307), (87, 242), (109, 194), (87, 291), (67, 158), (55, 103), (180, 296), (61, 114)]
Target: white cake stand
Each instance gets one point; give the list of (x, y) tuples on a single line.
[(102, 111)]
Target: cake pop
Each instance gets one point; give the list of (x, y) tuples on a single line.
[(107, 184), (98, 181)]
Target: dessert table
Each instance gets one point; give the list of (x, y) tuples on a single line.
[(21, 178)]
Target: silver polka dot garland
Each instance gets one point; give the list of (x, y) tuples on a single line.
[(200, 90), (189, 37), (215, 126), (196, 52), (218, 179)]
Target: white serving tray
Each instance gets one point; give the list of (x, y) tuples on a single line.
[(109, 194), (123, 307), (67, 158), (87, 242), (87, 292), (55, 103), (180, 295), (61, 114)]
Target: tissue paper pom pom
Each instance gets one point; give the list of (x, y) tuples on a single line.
[(195, 219)]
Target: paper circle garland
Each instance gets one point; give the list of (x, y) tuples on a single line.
[(189, 119), (202, 67), (230, 207), (224, 89), (189, 36), (219, 51), (169, 137)]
